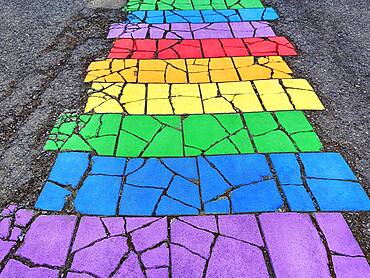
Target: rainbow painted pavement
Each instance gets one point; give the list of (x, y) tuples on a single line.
[(193, 158)]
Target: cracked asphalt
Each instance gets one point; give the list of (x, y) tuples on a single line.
[(46, 47)]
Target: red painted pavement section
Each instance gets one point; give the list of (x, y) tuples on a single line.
[(204, 48)]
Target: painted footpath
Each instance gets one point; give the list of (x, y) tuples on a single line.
[(202, 98), (227, 184), (148, 5), (195, 71), (194, 157), (182, 31), (192, 246), (202, 48), (201, 16), (178, 136)]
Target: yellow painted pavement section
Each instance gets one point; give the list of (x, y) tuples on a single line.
[(226, 97), (193, 71)]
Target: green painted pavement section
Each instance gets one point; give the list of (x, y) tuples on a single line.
[(177, 136), (151, 5)]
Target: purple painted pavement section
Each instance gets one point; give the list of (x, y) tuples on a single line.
[(347, 255), (16, 269), (10, 232), (250, 29), (346, 267), (53, 235), (294, 245), (190, 246), (338, 234)]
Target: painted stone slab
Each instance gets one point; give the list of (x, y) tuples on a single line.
[(248, 29), (206, 98), (203, 48), (201, 16), (189, 246), (193, 71), (150, 5), (297, 237), (177, 136), (327, 177), (226, 184)]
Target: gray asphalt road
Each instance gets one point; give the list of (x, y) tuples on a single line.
[(47, 45)]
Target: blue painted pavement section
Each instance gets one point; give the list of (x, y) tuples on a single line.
[(225, 184), (201, 16)]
